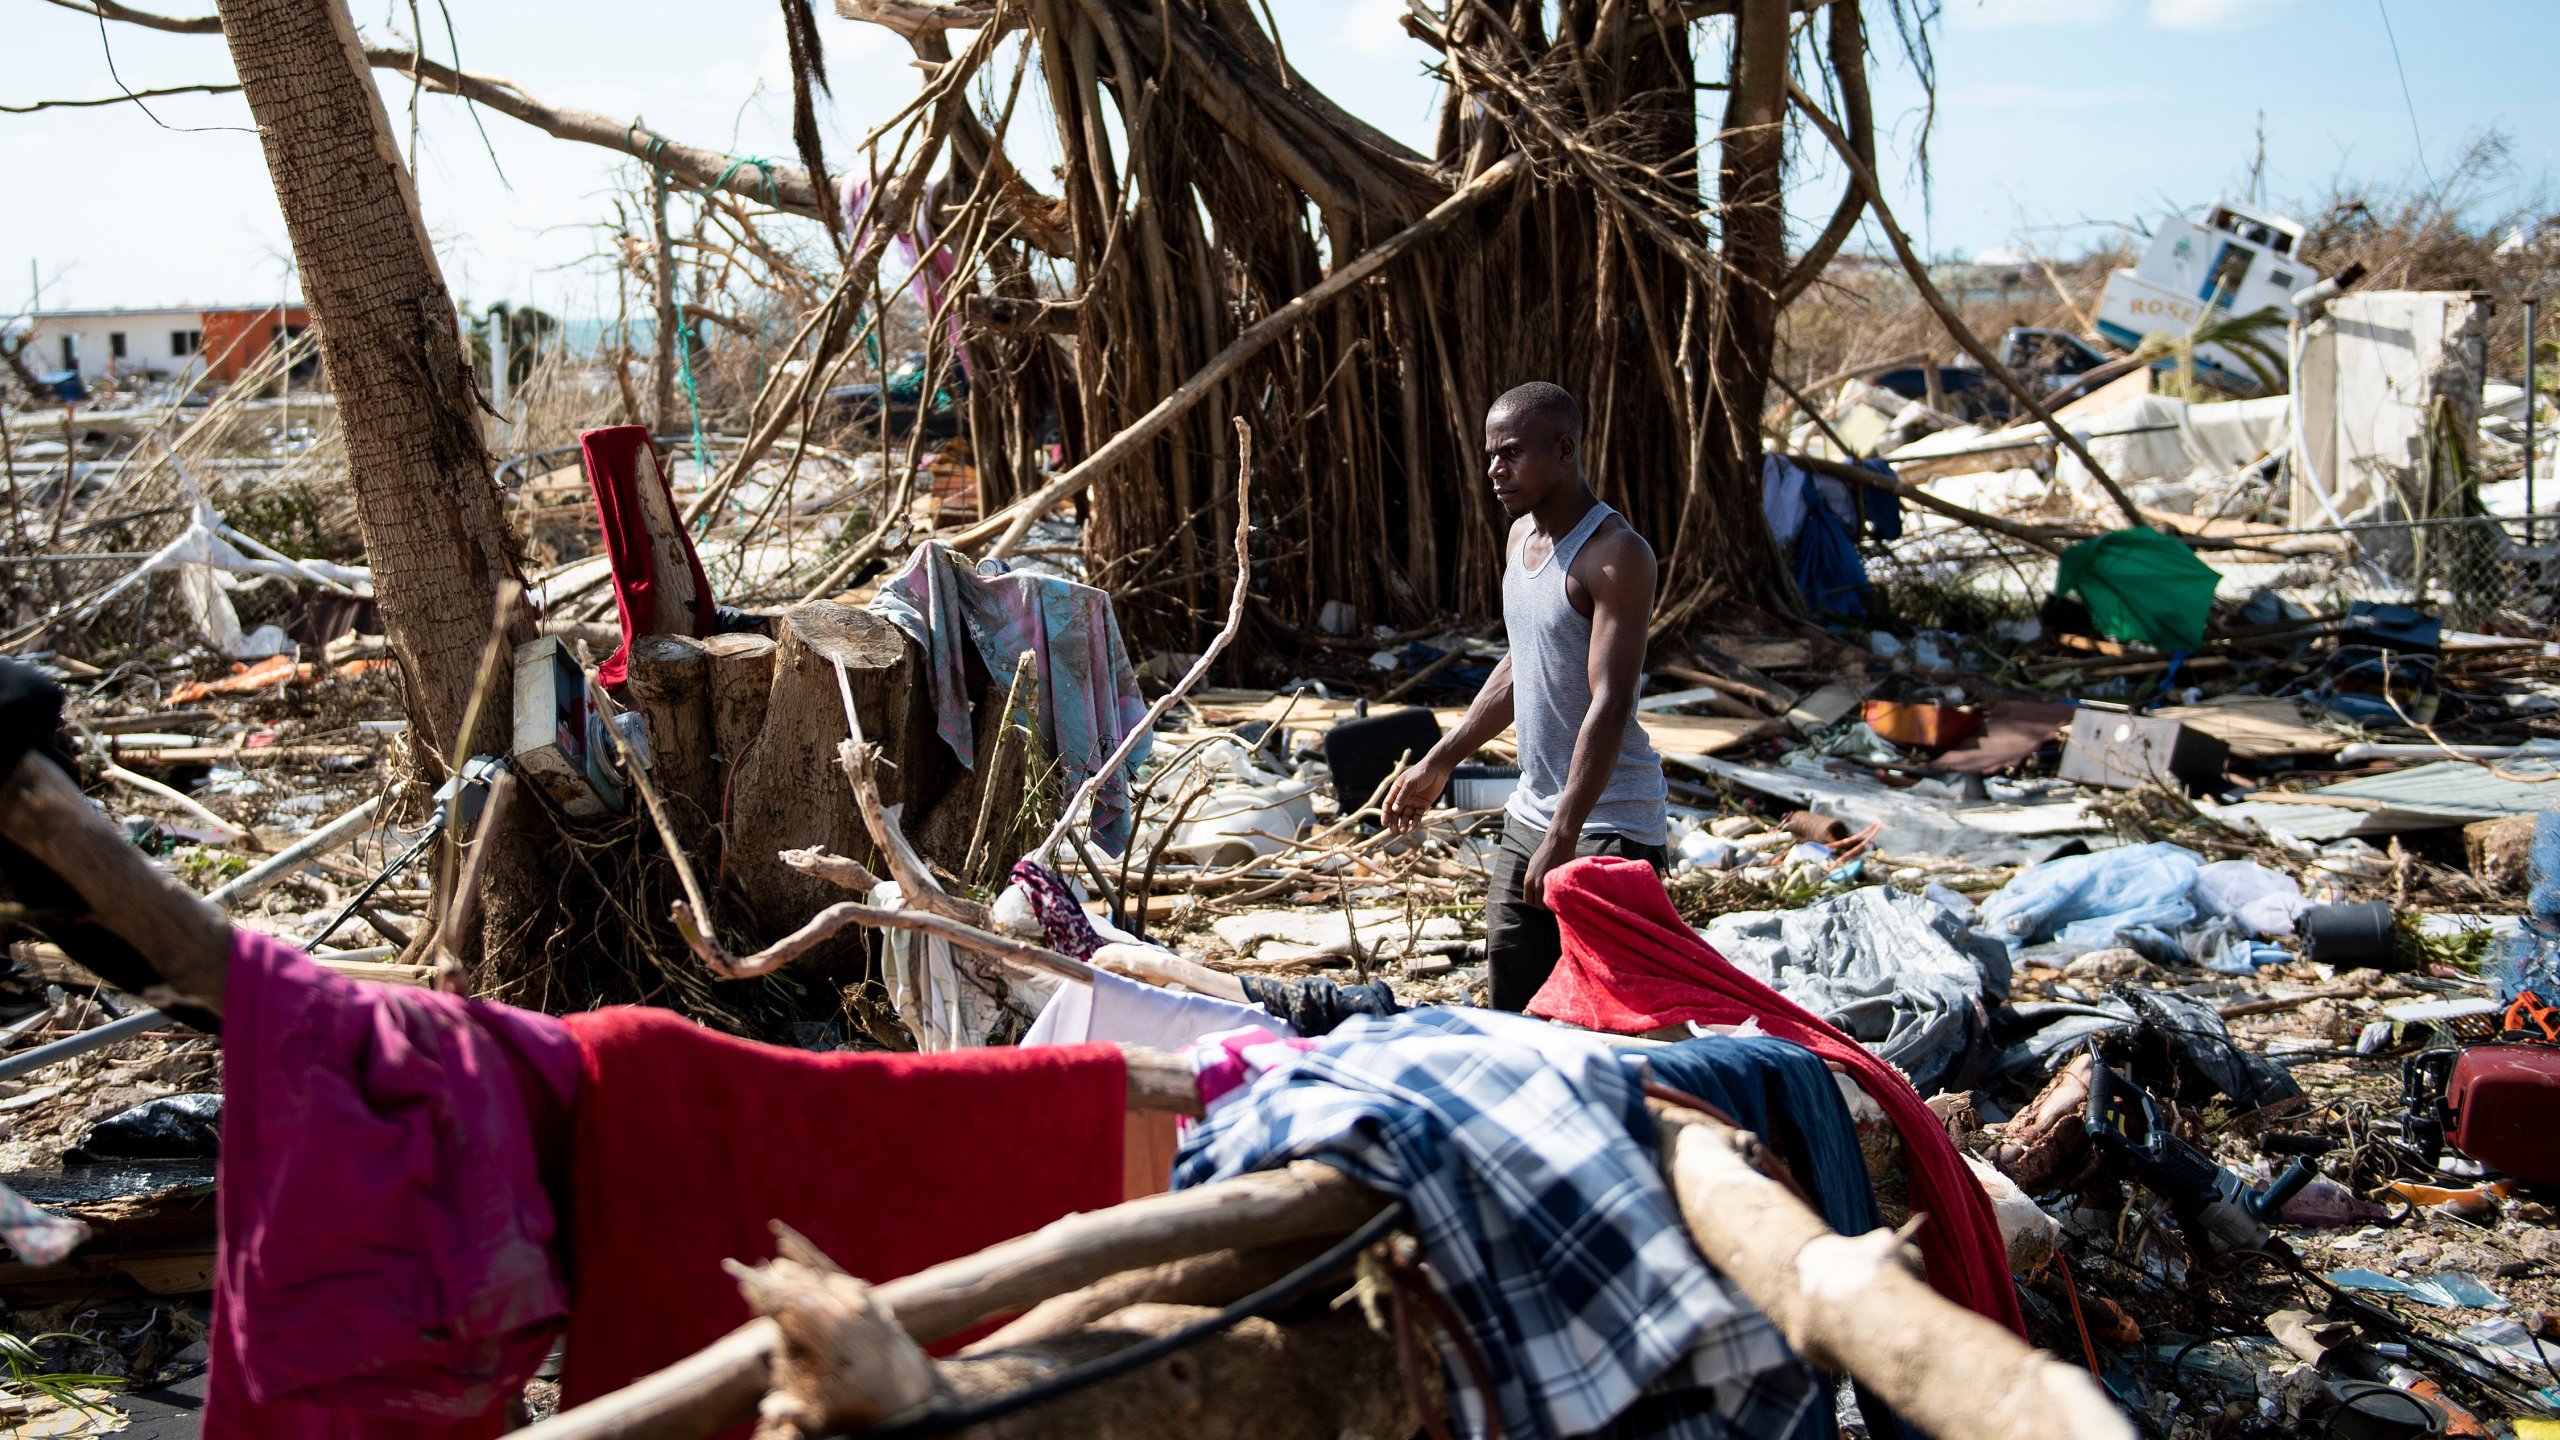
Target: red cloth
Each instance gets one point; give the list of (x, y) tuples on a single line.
[(384, 1267), (687, 1144), (612, 459), (1631, 964)]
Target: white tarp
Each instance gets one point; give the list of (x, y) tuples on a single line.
[(207, 557)]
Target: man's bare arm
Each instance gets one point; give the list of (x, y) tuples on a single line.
[(1419, 787)]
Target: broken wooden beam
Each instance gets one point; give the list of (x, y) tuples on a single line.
[(720, 1385), (1849, 1304)]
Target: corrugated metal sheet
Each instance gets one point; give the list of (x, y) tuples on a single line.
[(2454, 791)]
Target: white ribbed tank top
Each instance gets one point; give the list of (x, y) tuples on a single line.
[(1551, 693)]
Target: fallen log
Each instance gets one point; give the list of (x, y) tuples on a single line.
[(1848, 1304), (720, 1385)]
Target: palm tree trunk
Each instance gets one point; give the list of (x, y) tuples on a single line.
[(407, 399)]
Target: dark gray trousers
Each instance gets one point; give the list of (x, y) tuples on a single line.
[(1521, 943)]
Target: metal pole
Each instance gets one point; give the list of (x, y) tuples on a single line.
[(2532, 312), (139, 1022), (319, 842)]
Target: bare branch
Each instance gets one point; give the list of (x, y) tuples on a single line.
[(125, 99), (174, 24)]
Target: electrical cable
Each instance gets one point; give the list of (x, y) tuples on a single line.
[(2405, 97), (1280, 1292), (377, 882)]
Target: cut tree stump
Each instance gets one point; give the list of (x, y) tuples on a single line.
[(789, 791), (972, 831), (671, 688), (741, 677)]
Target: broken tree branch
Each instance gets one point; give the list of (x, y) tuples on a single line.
[(1012, 525), (1848, 1304), (125, 99), (722, 1384), (185, 940), (1865, 179), (2048, 540)]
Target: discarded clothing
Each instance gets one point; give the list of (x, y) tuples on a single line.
[(2141, 586), (35, 1235), (1222, 1066), (1544, 1219), (920, 250), (1826, 565), (1132, 1012), (1631, 965), (2087, 901), (1060, 913), (1784, 1094), (385, 1234), (1088, 693), (1881, 509), (947, 999), (687, 1145), (658, 584), (1898, 973), (1317, 1006)]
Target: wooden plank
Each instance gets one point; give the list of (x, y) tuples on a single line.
[(2257, 728), (1670, 734)]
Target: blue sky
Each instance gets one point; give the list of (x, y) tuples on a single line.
[(2056, 119)]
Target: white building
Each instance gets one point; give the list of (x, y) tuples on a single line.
[(119, 344)]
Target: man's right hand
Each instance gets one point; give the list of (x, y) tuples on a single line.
[(1414, 792)]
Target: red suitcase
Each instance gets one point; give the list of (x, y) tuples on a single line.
[(2502, 1108)]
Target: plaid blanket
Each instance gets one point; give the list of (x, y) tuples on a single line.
[(1542, 1215)]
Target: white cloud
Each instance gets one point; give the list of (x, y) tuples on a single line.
[(2015, 14), (2214, 14), (1371, 28)]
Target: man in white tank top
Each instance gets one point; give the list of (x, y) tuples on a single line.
[(1577, 599)]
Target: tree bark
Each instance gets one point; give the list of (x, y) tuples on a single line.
[(788, 791), (671, 688), (427, 507), (1720, 527)]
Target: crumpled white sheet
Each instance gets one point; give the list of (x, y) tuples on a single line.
[(207, 557)]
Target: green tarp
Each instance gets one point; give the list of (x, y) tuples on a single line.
[(2141, 586)]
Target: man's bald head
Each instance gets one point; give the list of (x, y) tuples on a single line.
[(1533, 446), (1540, 408)]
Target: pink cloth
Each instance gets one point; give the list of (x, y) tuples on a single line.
[(921, 250), (385, 1267)]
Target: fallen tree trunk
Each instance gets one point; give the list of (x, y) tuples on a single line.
[(721, 1384), (1849, 1304)]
